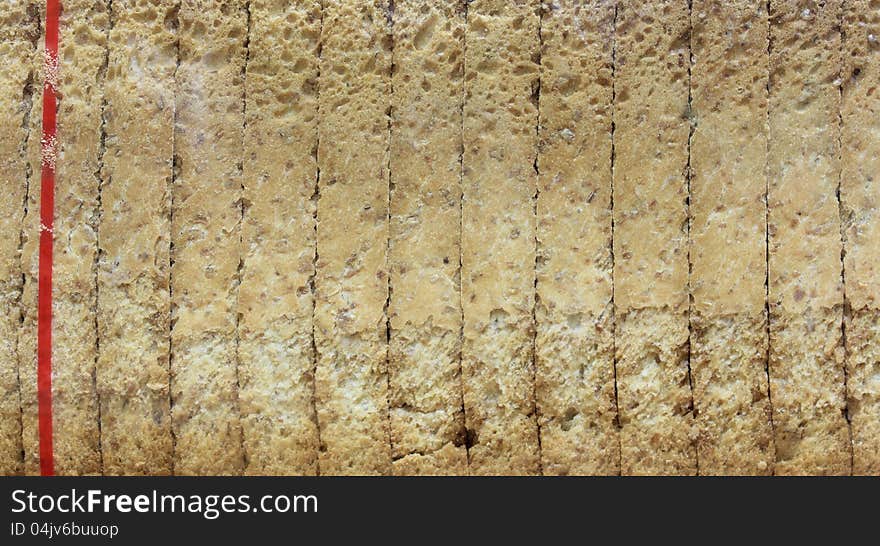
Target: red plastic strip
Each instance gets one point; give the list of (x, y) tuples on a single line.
[(48, 149)]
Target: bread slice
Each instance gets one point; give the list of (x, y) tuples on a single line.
[(650, 237), (84, 27), (134, 239), (806, 292), (860, 194), (278, 239), (352, 269), (26, 341), (574, 350), (427, 418), (498, 236), (205, 234), (19, 32), (728, 236)]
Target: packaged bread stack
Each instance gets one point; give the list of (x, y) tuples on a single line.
[(445, 237)]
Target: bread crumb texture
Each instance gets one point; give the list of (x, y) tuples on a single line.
[(446, 237)]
